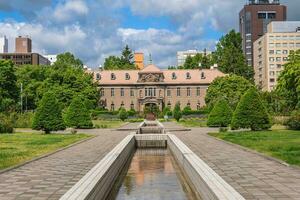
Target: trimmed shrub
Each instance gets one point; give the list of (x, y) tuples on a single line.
[(123, 114), (177, 114), (221, 115), (78, 115), (6, 125), (131, 113), (167, 111), (22, 120), (293, 122), (48, 116), (250, 113), (186, 110)]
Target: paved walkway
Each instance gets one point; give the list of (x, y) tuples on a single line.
[(253, 176), (51, 177)]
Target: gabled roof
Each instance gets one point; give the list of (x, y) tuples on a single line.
[(150, 68)]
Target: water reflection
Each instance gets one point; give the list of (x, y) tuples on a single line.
[(151, 175)]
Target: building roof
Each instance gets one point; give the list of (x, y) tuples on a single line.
[(131, 77)]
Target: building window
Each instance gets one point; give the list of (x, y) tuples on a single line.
[(122, 92), (198, 91), (271, 45), (174, 75), (271, 59), (112, 107), (198, 106), (127, 76), (272, 66), (278, 51), (202, 75), (141, 93), (292, 45), (101, 92), (188, 75), (131, 92), (178, 92), (112, 92), (278, 66), (168, 92), (122, 104), (113, 76), (278, 59), (272, 73), (278, 45), (188, 104), (284, 44), (98, 76), (271, 52), (132, 106), (146, 92), (154, 92), (262, 15), (169, 104), (272, 80), (285, 58), (298, 45), (285, 51), (188, 92)]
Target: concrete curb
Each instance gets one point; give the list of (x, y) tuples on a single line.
[(255, 152), (46, 155)]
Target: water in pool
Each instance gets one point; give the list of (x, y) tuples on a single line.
[(153, 175)]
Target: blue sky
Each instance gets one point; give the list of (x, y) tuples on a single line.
[(95, 29)]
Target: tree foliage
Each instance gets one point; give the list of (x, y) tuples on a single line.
[(78, 115), (294, 121), (177, 114), (9, 92), (123, 115), (6, 124), (221, 114), (125, 61), (230, 88), (230, 58), (250, 113), (68, 60), (200, 60), (48, 116), (288, 85)]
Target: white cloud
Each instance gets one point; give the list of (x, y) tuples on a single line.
[(70, 9)]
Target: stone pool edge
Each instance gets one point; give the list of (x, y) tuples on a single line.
[(97, 183)]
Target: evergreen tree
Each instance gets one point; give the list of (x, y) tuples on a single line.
[(221, 114), (123, 62), (250, 113), (230, 57), (123, 115), (68, 59), (77, 114), (177, 114), (48, 116)]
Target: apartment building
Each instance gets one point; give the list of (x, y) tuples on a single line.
[(271, 52), (182, 55)]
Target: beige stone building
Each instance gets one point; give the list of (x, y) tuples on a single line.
[(152, 86), (271, 52)]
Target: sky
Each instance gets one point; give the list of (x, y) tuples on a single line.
[(95, 29)]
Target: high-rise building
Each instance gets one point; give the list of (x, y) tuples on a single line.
[(3, 44), (23, 45), (25, 58), (182, 55), (271, 52), (254, 18), (139, 60)]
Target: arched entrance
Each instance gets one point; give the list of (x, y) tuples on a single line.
[(151, 111)]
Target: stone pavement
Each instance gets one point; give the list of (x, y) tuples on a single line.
[(51, 177), (253, 176)]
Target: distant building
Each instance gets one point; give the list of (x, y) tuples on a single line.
[(271, 52), (182, 55), (137, 89), (51, 58), (254, 18), (23, 45), (3, 45), (25, 58), (139, 60)]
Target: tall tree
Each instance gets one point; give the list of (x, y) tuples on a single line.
[(289, 81), (221, 114), (230, 58), (123, 62), (189, 63), (200, 60), (48, 116), (68, 59), (9, 92), (230, 88)]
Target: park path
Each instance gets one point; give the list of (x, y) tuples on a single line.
[(52, 176), (252, 175)]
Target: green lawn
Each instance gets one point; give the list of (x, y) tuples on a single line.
[(20, 147), (108, 123), (281, 144), (193, 122)]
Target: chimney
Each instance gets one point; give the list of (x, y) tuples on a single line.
[(139, 60)]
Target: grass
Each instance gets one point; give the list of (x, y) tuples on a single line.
[(281, 144), (108, 123), (20, 147), (193, 122)]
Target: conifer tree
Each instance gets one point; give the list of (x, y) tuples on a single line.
[(123, 114), (221, 114), (77, 114), (250, 113), (177, 114), (48, 116)]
